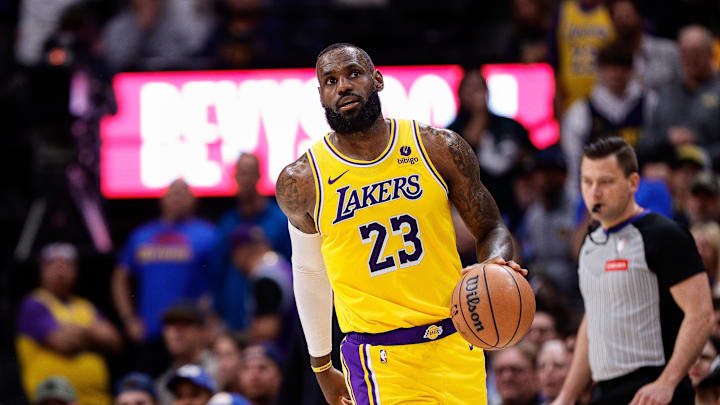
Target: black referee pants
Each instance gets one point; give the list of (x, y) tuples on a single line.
[(621, 390)]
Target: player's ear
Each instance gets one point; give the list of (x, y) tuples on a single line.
[(379, 80), (634, 181)]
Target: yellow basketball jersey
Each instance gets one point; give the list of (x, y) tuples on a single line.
[(388, 240), (580, 35), (86, 370)]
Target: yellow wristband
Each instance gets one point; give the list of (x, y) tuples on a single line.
[(322, 368)]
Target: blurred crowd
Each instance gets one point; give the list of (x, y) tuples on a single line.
[(187, 301)]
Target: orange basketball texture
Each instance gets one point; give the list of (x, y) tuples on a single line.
[(492, 306)]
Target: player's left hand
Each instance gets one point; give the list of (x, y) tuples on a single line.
[(499, 260), (655, 393)]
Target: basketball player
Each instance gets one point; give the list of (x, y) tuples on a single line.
[(369, 213)]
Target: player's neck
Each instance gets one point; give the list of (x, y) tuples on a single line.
[(364, 145), (632, 210)]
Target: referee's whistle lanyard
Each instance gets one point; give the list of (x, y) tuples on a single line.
[(594, 224), (591, 227)]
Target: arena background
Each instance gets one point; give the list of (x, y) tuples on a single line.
[(72, 168)]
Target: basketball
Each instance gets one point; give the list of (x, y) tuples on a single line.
[(492, 306)]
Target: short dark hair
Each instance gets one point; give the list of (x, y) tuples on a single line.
[(613, 145), (615, 54), (340, 45)]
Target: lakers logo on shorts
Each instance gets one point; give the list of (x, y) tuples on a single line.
[(433, 332)]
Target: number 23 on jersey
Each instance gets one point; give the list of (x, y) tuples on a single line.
[(405, 226)]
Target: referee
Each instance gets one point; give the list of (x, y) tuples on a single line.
[(647, 298)]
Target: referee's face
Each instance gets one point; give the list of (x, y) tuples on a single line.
[(607, 192)]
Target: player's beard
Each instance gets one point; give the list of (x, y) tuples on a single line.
[(364, 118)]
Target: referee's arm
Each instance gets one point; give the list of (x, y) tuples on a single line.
[(673, 256), (579, 375), (693, 297)]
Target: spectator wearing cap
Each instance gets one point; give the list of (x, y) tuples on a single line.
[(546, 231), (261, 374), (59, 333), (252, 209), (185, 338), (55, 390), (135, 389), (689, 109), (705, 374), (616, 106), (690, 160), (271, 297), (170, 260), (702, 204), (191, 385), (707, 239)]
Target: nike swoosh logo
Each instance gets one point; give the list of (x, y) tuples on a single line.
[(331, 180)]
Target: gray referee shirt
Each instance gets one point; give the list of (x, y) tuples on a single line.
[(625, 276)]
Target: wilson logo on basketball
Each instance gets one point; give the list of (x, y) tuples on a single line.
[(433, 332), (492, 306), (472, 301)]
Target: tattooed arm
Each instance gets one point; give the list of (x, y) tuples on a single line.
[(295, 193), (458, 165)]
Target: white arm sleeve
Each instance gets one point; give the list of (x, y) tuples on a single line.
[(313, 294)]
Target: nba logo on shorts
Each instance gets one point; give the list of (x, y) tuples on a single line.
[(383, 356), (433, 332)]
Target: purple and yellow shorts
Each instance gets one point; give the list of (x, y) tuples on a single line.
[(428, 364)]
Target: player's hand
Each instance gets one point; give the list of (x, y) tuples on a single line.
[(332, 384), (499, 260), (655, 393)]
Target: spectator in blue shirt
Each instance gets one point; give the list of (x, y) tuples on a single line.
[(170, 260), (253, 209)]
